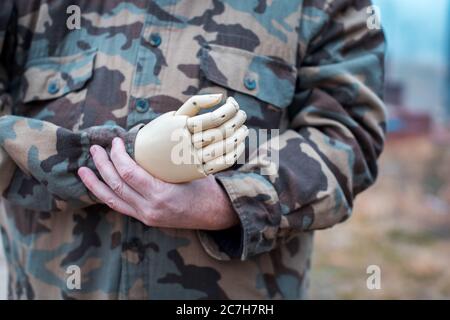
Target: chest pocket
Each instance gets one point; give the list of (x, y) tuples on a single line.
[(53, 77), (269, 79)]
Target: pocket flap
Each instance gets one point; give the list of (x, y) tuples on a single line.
[(269, 79), (52, 77)]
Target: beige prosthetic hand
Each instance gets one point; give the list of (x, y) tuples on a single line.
[(182, 146)]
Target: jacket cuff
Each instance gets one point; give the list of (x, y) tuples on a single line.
[(256, 203), (130, 138), (104, 136)]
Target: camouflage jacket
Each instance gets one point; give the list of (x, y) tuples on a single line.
[(310, 68)]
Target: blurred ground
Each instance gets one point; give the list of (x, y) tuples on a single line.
[(402, 225)]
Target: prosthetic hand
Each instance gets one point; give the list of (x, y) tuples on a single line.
[(182, 146)]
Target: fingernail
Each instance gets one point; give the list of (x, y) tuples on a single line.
[(80, 171), (93, 149), (116, 140)]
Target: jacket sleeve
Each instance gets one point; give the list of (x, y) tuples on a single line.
[(6, 164), (39, 160), (329, 153), (48, 158)]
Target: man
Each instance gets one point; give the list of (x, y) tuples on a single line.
[(311, 69)]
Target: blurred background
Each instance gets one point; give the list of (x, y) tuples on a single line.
[(402, 224)]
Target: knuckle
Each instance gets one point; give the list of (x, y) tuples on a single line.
[(128, 173), (158, 202), (150, 219), (153, 213), (117, 187), (111, 202)]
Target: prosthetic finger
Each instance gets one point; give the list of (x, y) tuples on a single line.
[(193, 105), (219, 148), (223, 162), (215, 118), (201, 139)]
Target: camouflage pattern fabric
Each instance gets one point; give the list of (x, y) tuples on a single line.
[(310, 68)]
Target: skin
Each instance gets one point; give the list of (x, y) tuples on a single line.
[(130, 190)]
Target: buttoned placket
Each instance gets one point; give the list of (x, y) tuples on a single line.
[(138, 106), (140, 110)]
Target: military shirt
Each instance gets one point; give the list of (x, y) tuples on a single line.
[(309, 70)]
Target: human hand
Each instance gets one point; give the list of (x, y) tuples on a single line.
[(129, 189)]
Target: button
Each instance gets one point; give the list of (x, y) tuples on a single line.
[(250, 83), (155, 39), (53, 87), (142, 105)]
